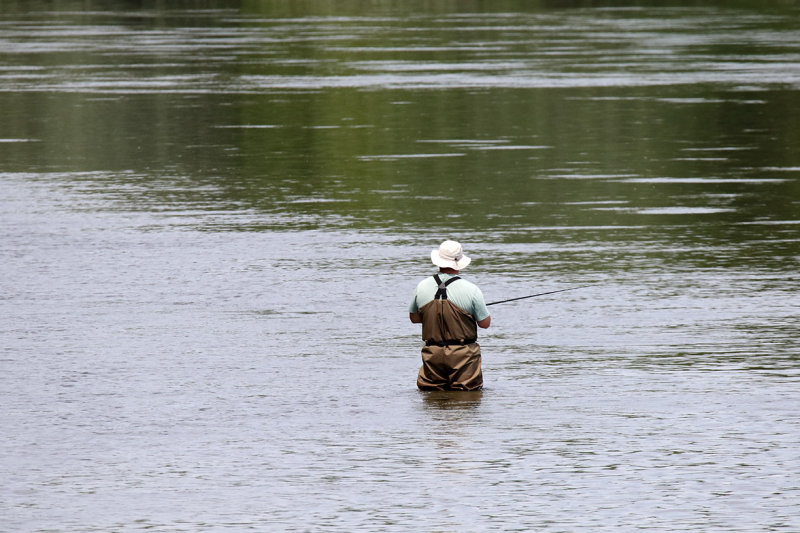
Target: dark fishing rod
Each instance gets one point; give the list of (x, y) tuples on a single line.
[(539, 294)]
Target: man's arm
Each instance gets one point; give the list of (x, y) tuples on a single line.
[(479, 309), (416, 318)]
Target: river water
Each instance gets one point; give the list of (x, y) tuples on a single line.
[(213, 216)]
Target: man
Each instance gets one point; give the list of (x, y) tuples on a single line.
[(450, 309)]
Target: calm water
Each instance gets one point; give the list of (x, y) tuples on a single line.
[(213, 217)]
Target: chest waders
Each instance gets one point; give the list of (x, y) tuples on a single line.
[(451, 357)]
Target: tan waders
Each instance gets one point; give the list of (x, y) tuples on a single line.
[(451, 357)]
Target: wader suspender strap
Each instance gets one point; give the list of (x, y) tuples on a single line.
[(442, 292)]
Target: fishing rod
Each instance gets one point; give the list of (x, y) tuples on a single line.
[(539, 294)]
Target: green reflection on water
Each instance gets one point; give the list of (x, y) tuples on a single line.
[(693, 158)]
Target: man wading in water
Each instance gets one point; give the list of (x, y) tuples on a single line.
[(449, 309)]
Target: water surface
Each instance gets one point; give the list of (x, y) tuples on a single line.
[(213, 218)]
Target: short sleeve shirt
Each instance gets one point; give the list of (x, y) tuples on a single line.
[(461, 292)]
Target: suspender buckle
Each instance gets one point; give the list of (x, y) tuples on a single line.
[(442, 292)]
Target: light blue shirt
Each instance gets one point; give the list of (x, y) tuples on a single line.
[(461, 292)]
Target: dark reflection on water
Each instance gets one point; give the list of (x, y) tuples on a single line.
[(213, 215), (452, 400)]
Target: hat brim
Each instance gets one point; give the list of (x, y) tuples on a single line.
[(448, 263)]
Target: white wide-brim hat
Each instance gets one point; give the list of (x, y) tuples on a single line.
[(450, 255)]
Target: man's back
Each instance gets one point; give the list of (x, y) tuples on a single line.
[(450, 309), (462, 293)]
